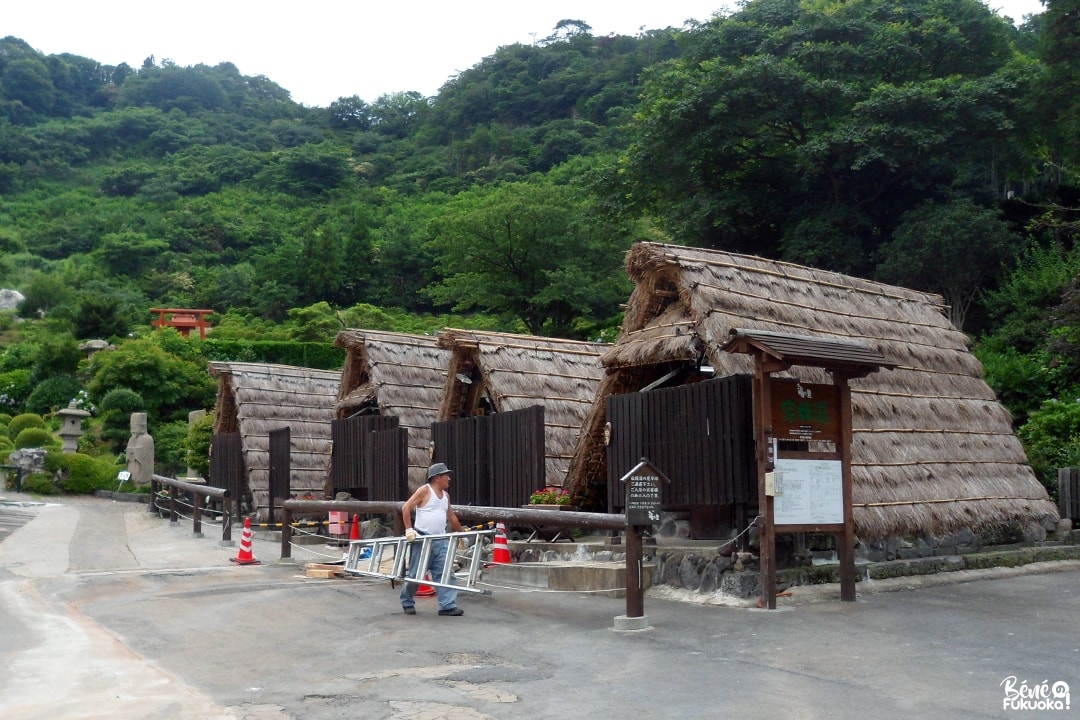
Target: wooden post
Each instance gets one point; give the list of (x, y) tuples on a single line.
[(763, 441), (172, 504), (196, 515), (635, 582), (286, 532), (846, 553), (226, 518)]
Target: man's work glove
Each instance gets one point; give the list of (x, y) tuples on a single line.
[(410, 534)]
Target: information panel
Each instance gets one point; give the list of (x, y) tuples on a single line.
[(808, 492), (643, 498)]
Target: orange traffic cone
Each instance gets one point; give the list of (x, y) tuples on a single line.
[(354, 532), (501, 553), (425, 590), (244, 556)]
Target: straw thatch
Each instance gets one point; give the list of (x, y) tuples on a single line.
[(395, 374), (932, 451), (255, 398), (520, 371)]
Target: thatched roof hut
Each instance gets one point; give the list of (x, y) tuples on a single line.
[(395, 374), (502, 372), (255, 398), (933, 450)]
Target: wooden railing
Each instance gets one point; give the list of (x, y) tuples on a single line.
[(469, 514), (198, 492)]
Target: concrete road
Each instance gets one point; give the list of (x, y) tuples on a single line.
[(109, 612)]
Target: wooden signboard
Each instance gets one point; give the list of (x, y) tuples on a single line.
[(804, 412)]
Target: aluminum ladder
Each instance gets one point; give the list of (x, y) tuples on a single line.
[(370, 563)]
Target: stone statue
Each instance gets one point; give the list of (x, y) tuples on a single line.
[(140, 451)]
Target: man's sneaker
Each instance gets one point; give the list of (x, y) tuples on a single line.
[(454, 611), (409, 610)]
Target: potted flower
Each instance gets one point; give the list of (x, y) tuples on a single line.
[(550, 498)]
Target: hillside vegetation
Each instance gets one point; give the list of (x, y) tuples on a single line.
[(924, 143)]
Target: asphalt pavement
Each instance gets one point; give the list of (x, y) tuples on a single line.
[(108, 611)]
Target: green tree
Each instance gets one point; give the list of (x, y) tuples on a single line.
[(129, 253), (1057, 94), (316, 323), (170, 385), (27, 80), (45, 292), (847, 113), (954, 249), (523, 250)]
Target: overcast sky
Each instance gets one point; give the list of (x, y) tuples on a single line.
[(322, 50)]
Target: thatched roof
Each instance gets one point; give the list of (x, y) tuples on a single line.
[(401, 375), (255, 398), (520, 371), (933, 450)]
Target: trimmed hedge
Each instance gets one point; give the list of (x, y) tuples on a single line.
[(318, 356)]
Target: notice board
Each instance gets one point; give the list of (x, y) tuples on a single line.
[(808, 492)]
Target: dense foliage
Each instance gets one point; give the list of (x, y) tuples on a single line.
[(926, 143)]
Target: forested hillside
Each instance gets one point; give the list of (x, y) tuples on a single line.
[(926, 143)]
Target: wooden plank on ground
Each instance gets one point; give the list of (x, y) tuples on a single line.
[(321, 570)]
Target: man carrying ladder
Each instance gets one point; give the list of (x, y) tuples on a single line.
[(431, 502)]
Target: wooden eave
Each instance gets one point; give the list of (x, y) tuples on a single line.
[(849, 357)]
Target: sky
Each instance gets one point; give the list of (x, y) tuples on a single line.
[(321, 50)]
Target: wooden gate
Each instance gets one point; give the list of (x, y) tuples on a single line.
[(701, 436), (369, 458), (497, 459), (227, 467)]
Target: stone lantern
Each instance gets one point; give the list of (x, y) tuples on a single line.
[(71, 426)]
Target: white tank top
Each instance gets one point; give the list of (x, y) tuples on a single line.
[(431, 516)]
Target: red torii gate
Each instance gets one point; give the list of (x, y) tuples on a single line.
[(182, 319)]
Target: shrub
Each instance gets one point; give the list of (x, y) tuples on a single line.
[(83, 474), (169, 453), (39, 484), (35, 438), (14, 389), (1051, 439), (6, 443), (4, 418), (197, 444), (52, 394), (24, 421)]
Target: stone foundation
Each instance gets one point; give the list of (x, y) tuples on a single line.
[(738, 574), (810, 559)]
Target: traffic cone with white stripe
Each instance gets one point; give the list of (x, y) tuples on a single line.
[(501, 554), (244, 555)]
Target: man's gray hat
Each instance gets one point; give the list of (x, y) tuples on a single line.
[(437, 469)]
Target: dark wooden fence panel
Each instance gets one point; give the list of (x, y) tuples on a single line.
[(390, 467), (497, 459), (280, 463), (699, 435), (353, 462), (517, 456), (1069, 493), (227, 467), (280, 472), (461, 444)]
